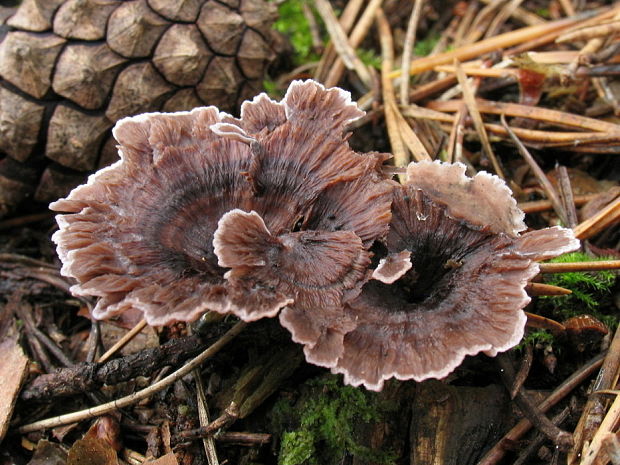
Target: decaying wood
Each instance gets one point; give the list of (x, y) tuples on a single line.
[(27, 60), (220, 25), (20, 120), (86, 377), (83, 19), (451, 425), (139, 395), (74, 137), (138, 89), (182, 55), (261, 379), (134, 29), (85, 73)]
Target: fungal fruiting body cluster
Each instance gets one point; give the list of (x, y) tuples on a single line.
[(273, 213)]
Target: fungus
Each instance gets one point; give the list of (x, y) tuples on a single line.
[(458, 267), (280, 185)]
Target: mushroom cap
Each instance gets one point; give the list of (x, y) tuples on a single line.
[(463, 294), (140, 233)]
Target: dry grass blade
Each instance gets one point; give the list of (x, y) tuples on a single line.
[(401, 157), (470, 101), (408, 50), (357, 36), (591, 32), (597, 223), (203, 416), (559, 118), (524, 16), (341, 42), (538, 172), (347, 18)]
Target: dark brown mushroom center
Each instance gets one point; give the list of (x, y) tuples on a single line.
[(439, 244)]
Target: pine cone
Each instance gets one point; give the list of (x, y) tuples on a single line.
[(69, 69)]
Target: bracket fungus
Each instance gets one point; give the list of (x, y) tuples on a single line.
[(292, 207), (273, 213)]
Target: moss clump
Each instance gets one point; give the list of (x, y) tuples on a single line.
[(319, 428), (293, 24), (591, 292)]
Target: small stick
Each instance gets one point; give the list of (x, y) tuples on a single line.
[(470, 101), (592, 32), (228, 417), (122, 342), (497, 452), (560, 438), (139, 395), (537, 206), (524, 371), (530, 450), (203, 416), (244, 439), (412, 27), (579, 266), (597, 223)]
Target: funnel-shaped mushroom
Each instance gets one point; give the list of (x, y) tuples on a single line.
[(458, 269), (282, 184)]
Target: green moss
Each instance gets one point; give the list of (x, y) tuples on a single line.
[(320, 428), (591, 291), (293, 24), (369, 57), (423, 47)]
